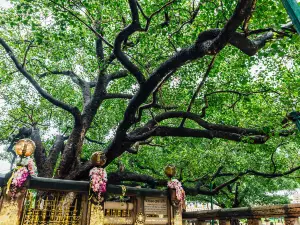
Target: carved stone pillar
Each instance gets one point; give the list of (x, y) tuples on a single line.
[(291, 221), (254, 222)]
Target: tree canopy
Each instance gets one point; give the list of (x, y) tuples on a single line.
[(206, 85)]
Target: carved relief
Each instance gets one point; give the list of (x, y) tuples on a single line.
[(140, 219)]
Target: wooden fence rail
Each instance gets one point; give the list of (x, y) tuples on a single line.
[(51, 184), (290, 212)]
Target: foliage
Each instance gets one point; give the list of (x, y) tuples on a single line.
[(255, 92)]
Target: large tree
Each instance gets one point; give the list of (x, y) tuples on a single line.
[(206, 85)]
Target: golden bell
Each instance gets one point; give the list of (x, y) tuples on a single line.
[(24, 147), (98, 158), (170, 171)]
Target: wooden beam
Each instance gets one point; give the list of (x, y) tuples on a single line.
[(41, 183), (290, 210)]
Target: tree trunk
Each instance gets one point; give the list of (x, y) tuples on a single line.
[(72, 150)]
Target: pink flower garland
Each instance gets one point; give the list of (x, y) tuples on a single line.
[(31, 167), (175, 184), (18, 179), (98, 181), (20, 176)]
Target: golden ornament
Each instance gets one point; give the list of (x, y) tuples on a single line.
[(24, 147), (170, 171), (98, 158)]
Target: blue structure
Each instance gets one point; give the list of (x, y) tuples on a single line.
[(293, 9)]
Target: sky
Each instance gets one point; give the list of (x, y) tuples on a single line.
[(4, 4), (4, 165)]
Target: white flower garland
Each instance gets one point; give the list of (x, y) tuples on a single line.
[(180, 194)]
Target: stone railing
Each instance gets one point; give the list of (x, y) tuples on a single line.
[(254, 215)]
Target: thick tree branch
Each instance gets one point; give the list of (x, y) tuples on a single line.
[(82, 172), (164, 131), (118, 95), (250, 47), (122, 36), (117, 75), (100, 94), (73, 110), (99, 43), (246, 22), (210, 131), (242, 12), (51, 160), (92, 106), (239, 40), (39, 153), (117, 177), (198, 119), (167, 20)]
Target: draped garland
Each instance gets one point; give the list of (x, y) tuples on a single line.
[(98, 179), (19, 176), (180, 193)]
